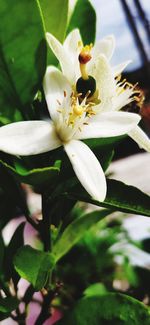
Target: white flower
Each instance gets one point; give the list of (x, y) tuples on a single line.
[(72, 119), (111, 94)]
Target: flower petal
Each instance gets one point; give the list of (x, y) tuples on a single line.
[(140, 137), (109, 124), (62, 55), (105, 82), (105, 46), (117, 69), (56, 88), (87, 168), (28, 138), (72, 42)]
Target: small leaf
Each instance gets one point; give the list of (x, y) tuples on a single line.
[(75, 231), (22, 54), (110, 308), (84, 18), (33, 265), (95, 289)]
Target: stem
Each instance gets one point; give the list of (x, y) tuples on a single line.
[(45, 312), (45, 224)]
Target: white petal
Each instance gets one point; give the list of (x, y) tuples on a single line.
[(139, 136), (72, 42), (55, 86), (73, 47), (105, 82), (117, 69), (87, 168), (62, 55), (109, 124), (28, 138), (105, 46)]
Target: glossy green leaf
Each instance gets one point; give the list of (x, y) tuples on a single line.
[(33, 265), (111, 308), (84, 18), (7, 305), (34, 177), (75, 231), (55, 15), (22, 54), (120, 197)]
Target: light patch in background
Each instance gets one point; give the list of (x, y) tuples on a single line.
[(112, 20)]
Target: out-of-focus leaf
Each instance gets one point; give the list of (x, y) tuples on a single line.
[(55, 14), (111, 308), (33, 265), (22, 54), (120, 197), (7, 305), (84, 18), (95, 289), (75, 231)]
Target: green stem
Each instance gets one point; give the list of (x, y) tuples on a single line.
[(45, 225)]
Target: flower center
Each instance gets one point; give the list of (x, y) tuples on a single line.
[(85, 84)]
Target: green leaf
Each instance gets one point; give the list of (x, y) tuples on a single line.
[(108, 309), (22, 54), (35, 177), (33, 265), (7, 305), (120, 197), (16, 241), (55, 14), (84, 18), (95, 289), (75, 231)]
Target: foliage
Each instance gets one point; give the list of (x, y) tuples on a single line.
[(73, 268)]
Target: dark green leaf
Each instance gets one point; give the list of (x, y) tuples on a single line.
[(13, 190), (33, 265), (120, 197), (84, 18), (22, 54), (75, 231), (7, 305), (35, 177), (55, 14), (108, 309)]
